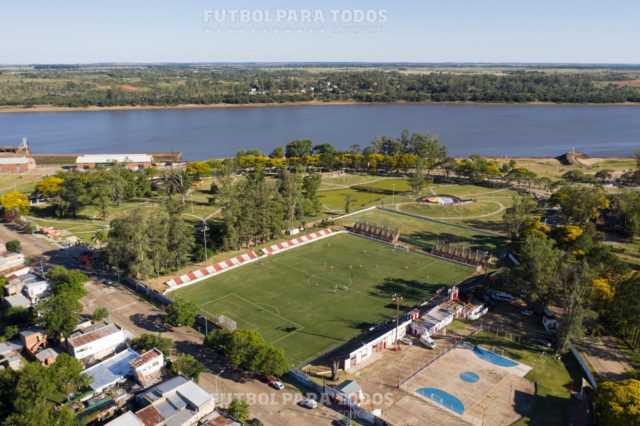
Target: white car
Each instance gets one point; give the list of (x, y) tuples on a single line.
[(407, 341), (277, 385), (309, 403), (428, 341)]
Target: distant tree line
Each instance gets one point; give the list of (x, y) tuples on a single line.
[(167, 85)]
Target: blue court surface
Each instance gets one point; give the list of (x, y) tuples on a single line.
[(443, 398), (469, 377), (494, 359)]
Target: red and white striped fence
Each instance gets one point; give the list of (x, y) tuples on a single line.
[(286, 245), (211, 270)]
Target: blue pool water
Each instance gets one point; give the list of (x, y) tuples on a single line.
[(443, 398), (495, 359), (469, 377)]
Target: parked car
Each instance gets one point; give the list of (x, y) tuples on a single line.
[(407, 341), (342, 422), (501, 296), (255, 422), (526, 312), (309, 403), (428, 341), (277, 385)]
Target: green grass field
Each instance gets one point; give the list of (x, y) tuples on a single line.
[(428, 231), (313, 298)]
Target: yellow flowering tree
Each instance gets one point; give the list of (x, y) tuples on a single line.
[(618, 403)]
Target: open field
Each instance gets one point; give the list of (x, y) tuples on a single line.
[(310, 299), (428, 231), (552, 168)]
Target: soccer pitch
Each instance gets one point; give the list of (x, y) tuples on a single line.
[(312, 298)]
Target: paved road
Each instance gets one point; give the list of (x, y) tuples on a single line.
[(138, 316)]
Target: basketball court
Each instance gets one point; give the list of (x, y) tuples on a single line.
[(479, 386)]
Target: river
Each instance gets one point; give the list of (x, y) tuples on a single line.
[(201, 133)]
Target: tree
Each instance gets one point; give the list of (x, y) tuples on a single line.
[(67, 373), (347, 204), (627, 205), (69, 281), (247, 349), (290, 189), (516, 216), (49, 185), (101, 191), (239, 409), (298, 148), (310, 185), (13, 246), (618, 403), (199, 168), (59, 313), (73, 195), (100, 313), (16, 201), (188, 366), (182, 313), (278, 152), (604, 175), (145, 342), (539, 268), (575, 282), (580, 205), (417, 179)]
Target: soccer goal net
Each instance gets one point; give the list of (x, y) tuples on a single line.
[(226, 322)]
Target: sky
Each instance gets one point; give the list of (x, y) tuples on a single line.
[(528, 31)]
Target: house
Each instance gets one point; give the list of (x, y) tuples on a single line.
[(17, 301), (130, 161), (47, 356), (437, 318), (31, 286), (111, 371), (178, 401), (127, 419), (33, 338), (16, 164), (352, 390), (146, 368), (10, 355), (36, 289), (96, 342), (11, 262)]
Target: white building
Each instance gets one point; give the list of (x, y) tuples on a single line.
[(11, 262), (147, 367), (96, 342), (132, 161), (437, 318)]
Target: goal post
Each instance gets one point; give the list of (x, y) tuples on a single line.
[(226, 322)]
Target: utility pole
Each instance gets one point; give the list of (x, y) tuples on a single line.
[(205, 228), (393, 193), (397, 298)]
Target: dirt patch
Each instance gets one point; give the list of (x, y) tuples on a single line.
[(130, 88), (627, 83)]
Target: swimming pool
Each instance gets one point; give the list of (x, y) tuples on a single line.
[(445, 399), (494, 359)]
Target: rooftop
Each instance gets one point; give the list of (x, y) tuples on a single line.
[(45, 354), (93, 333), (111, 370), (14, 160), (146, 357), (17, 300), (114, 158), (31, 330), (127, 419)]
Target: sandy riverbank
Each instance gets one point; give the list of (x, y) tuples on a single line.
[(53, 108)]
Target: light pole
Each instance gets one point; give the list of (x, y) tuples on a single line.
[(393, 193), (205, 228), (397, 298)]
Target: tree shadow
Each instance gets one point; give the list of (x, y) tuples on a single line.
[(409, 289), (154, 323)]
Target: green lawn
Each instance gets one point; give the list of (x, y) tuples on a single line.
[(553, 376), (310, 299), (428, 231)]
